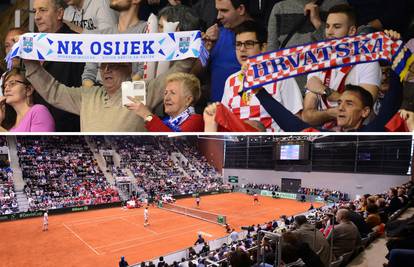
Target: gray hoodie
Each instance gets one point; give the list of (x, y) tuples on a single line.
[(94, 15)]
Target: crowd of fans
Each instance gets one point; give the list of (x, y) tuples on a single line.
[(348, 227), (194, 158), (232, 31), (60, 172), (8, 200), (151, 162), (324, 193), (99, 142), (270, 187)]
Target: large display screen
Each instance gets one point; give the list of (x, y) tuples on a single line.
[(297, 150), (289, 152)]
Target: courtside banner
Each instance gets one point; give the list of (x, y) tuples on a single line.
[(107, 47), (286, 63)]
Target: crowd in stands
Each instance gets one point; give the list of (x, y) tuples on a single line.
[(99, 142), (60, 172), (192, 154), (151, 162), (8, 200), (3, 140), (270, 187), (118, 172), (348, 226), (324, 193), (89, 94)]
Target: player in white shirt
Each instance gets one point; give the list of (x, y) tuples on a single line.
[(146, 217), (45, 221), (198, 200), (250, 41)]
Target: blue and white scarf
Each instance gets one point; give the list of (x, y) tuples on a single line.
[(174, 123), (109, 47)]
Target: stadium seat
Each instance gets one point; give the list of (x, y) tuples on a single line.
[(372, 237), (365, 241), (297, 263), (346, 258), (337, 263)]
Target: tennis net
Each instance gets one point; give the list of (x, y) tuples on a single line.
[(199, 214)]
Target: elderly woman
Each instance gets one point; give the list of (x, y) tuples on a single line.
[(17, 112), (181, 93)]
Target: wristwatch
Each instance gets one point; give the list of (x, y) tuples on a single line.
[(148, 118), (327, 92)]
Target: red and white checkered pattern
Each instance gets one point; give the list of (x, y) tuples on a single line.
[(388, 49), (286, 92)]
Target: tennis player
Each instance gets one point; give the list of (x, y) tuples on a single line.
[(146, 217), (45, 221)]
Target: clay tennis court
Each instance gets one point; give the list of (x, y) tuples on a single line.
[(101, 237)]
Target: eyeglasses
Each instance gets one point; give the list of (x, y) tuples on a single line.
[(248, 44), (12, 83)]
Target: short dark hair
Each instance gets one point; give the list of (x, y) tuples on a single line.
[(365, 96), (60, 3), (300, 219), (188, 20), (237, 3), (252, 26), (372, 208), (239, 258), (347, 10)]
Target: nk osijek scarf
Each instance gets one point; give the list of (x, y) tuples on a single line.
[(107, 47), (290, 62)]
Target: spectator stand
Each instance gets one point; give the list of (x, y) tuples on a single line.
[(60, 172), (160, 169), (8, 198), (273, 191), (313, 217), (198, 250), (218, 249)]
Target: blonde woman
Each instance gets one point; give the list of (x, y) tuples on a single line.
[(180, 95)]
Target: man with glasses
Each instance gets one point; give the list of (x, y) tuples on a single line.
[(100, 107), (250, 41)]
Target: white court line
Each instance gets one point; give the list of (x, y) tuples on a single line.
[(141, 237), (115, 217), (81, 239), (97, 218), (151, 241), (145, 228)]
